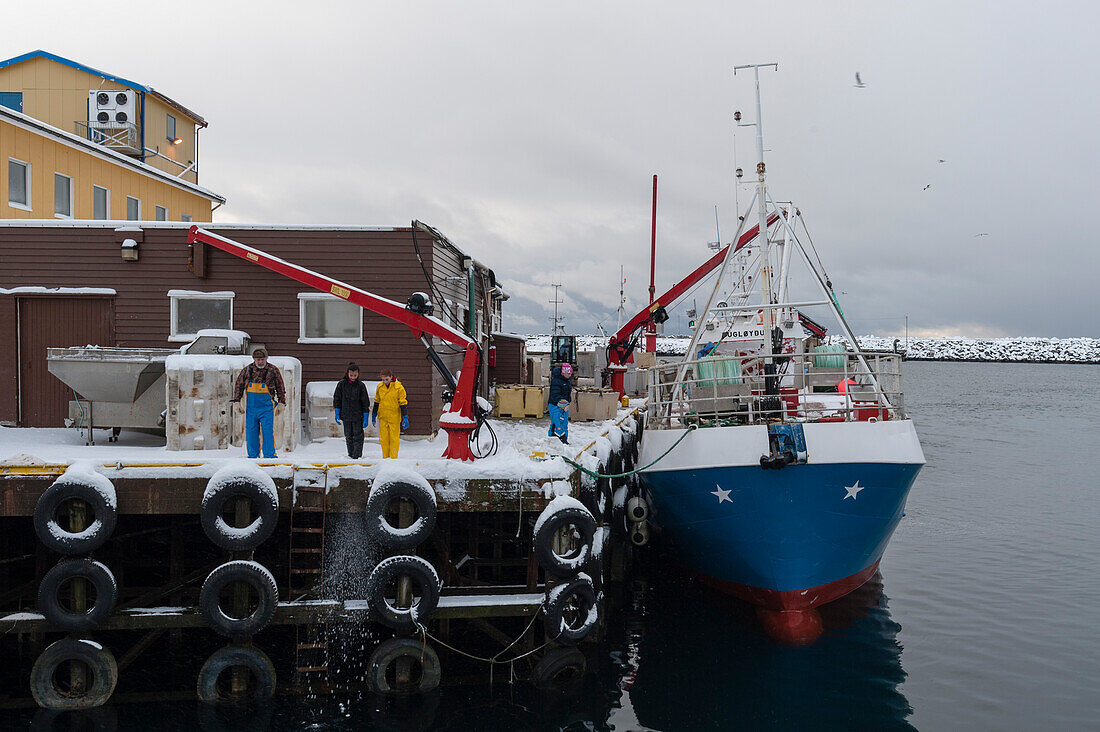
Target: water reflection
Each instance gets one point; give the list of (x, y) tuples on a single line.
[(698, 660)]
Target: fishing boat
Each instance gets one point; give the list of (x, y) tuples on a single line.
[(784, 457)]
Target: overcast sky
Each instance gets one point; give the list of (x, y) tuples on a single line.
[(529, 133)]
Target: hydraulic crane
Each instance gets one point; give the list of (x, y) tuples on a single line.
[(620, 348), (463, 415)]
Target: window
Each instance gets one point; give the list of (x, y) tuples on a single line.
[(12, 100), (101, 203), (326, 318), (162, 213), (19, 184), (193, 311), (170, 125), (62, 196), (133, 208), (185, 217)]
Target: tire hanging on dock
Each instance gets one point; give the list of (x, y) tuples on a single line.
[(554, 518), (251, 658), (101, 667), (255, 576), (94, 490), (102, 581), (388, 652), (571, 611), (379, 529), (219, 491), (560, 669), (425, 583)]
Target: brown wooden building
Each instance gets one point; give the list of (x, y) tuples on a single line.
[(172, 289)]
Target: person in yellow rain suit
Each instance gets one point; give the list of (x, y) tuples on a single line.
[(391, 407)]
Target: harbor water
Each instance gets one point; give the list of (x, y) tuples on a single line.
[(985, 614)]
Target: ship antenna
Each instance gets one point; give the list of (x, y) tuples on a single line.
[(771, 383)]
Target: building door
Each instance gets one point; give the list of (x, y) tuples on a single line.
[(55, 321)]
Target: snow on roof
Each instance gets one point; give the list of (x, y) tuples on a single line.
[(39, 127), (200, 293), (39, 290)]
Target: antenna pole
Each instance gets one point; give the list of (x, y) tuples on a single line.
[(555, 302), (651, 328)]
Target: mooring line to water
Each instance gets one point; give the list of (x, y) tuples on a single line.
[(494, 660), (594, 474)]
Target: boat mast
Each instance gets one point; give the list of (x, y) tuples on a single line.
[(771, 383)]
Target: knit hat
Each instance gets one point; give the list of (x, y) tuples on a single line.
[(259, 353)]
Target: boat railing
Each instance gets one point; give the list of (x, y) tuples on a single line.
[(812, 387)]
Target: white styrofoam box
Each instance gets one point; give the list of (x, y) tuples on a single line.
[(199, 413), (321, 414)]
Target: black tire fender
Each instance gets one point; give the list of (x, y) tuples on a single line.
[(101, 666), (550, 522), (218, 492), (250, 657), (388, 535), (603, 492), (106, 594), (615, 467), (580, 591), (389, 651), (560, 669), (425, 581), (251, 573), (92, 488)]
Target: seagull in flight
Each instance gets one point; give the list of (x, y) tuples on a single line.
[(984, 233), (859, 82), (926, 187), (942, 160)]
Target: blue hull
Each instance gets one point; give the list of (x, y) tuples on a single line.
[(790, 538)]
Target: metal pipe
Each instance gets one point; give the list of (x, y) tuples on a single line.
[(651, 328)]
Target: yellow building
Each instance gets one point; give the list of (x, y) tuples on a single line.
[(78, 143)]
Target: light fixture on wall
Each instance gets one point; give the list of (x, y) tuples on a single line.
[(129, 250), (177, 141)]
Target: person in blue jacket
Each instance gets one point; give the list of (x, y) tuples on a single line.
[(352, 405), (561, 392)]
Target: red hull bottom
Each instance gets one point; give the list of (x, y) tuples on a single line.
[(791, 616), (788, 600)]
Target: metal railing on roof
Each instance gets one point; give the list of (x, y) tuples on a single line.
[(122, 137)]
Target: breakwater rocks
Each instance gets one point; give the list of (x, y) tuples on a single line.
[(1019, 349)]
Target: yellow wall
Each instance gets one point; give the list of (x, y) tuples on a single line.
[(57, 94), (47, 156)]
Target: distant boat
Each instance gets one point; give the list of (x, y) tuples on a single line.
[(800, 456)]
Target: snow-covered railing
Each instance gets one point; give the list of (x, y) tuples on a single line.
[(730, 390)]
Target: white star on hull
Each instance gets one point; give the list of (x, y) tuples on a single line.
[(853, 490), (721, 494)]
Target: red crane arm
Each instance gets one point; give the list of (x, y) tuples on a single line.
[(623, 334), (417, 323), (462, 417)]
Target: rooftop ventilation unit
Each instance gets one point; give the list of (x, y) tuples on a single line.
[(112, 108)]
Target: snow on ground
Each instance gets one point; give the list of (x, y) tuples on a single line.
[(525, 452), (1054, 350)]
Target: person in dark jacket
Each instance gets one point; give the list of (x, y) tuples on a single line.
[(561, 392), (352, 409)]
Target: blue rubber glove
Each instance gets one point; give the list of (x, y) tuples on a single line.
[(405, 422), (366, 418), (374, 419), (337, 416)]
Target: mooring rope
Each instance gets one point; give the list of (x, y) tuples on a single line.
[(494, 659), (594, 474)]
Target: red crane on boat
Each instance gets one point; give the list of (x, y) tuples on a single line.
[(620, 348), (463, 415)]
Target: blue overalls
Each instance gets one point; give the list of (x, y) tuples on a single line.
[(259, 415)]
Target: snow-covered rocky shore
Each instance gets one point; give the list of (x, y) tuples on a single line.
[(1023, 349)]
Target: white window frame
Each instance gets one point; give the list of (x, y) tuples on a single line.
[(133, 198), (72, 199), (108, 199), (176, 295), (303, 298), (157, 211), (28, 206)]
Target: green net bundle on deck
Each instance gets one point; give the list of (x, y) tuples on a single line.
[(720, 370), (835, 359)]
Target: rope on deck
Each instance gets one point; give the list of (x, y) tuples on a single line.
[(594, 474)]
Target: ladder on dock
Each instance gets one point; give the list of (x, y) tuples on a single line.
[(308, 511)]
